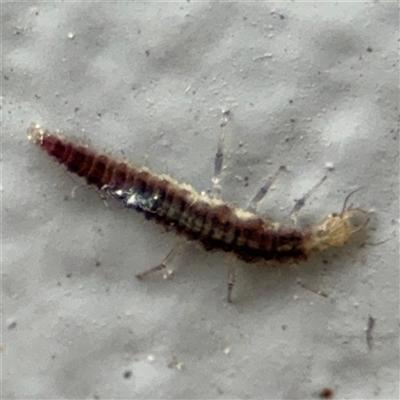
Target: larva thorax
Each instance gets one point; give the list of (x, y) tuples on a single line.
[(214, 223)]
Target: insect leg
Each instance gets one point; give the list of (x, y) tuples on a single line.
[(231, 281), (264, 189), (164, 264), (252, 208), (301, 202), (216, 192), (219, 158)]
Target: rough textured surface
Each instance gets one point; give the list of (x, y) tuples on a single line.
[(310, 86)]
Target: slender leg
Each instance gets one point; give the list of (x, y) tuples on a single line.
[(216, 192), (165, 263), (252, 208), (219, 158), (231, 281), (264, 189), (300, 203)]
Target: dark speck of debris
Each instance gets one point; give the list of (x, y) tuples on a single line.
[(370, 327), (12, 325), (69, 275), (290, 101), (127, 374), (147, 52), (369, 49), (326, 393)]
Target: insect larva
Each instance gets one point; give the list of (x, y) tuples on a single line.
[(216, 224)]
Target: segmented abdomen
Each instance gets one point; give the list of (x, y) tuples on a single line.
[(214, 223)]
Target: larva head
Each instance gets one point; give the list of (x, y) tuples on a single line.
[(36, 134), (336, 229)]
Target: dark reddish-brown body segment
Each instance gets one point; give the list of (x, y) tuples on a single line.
[(216, 225)]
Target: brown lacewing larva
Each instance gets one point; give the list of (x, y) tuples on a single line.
[(214, 223)]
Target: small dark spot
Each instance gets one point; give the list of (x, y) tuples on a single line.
[(325, 261), (12, 325), (281, 16), (127, 374), (194, 92), (290, 101), (76, 110), (326, 393), (244, 18), (53, 356), (99, 114), (69, 275), (6, 77), (292, 120), (37, 96), (133, 87), (369, 49), (147, 52), (98, 263), (139, 31), (284, 327), (37, 13)]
